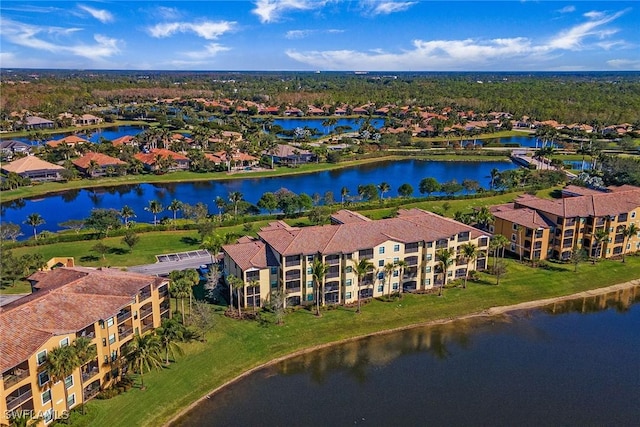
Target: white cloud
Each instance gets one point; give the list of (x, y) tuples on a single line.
[(625, 64), (470, 53), (211, 50), (48, 38), (300, 34), (101, 15), (271, 10), (208, 30), (379, 7), (567, 9)]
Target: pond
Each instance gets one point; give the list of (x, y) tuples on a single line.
[(77, 204), (574, 363)]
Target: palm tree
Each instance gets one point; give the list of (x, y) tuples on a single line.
[(61, 362), (445, 257), (85, 351), (170, 333), (180, 289), (469, 253), (361, 268), (401, 264), (92, 168), (388, 270), (174, 207), (126, 212), (598, 239), (318, 273), (383, 187), (494, 175), (220, 204), (498, 243), (143, 354), (629, 231), (235, 198), (520, 231), (34, 220), (155, 207), (237, 284), (344, 192)]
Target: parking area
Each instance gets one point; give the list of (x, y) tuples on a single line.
[(180, 256)]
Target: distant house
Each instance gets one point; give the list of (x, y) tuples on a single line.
[(10, 147), (34, 168), (71, 140), (35, 122), (125, 140), (101, 163), (151, 159), (238, 159), (86, 120), (287, 154)]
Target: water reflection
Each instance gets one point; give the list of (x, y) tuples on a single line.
[(620, 300)]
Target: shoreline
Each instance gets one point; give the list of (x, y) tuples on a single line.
[(490, 312)]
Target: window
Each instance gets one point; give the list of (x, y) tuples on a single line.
[(310, 284), (396, 259), (429, 257), (42, 357), (515, 227), (348, 269), (381, 263), (427, 281), (274, 283), (106, 360), (310, 297), (112, 338), (491, 229), (309, 270), (43, 378), (64, 342), (513, 237), (449, 273), (381, 250), (348, 282), (309, 258), (396, 248), (110, 322), (429, 245), (396, 273), (71, 400), (633, 214), (380, 288), (274, 270), (47, 416), (68, 382), (46, 397), (347, 295), (104, 342), (513, 247), (395, 286), (427, 269)]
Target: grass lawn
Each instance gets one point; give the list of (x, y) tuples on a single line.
[(233, 347)]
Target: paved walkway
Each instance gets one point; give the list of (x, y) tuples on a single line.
[(177, 261)]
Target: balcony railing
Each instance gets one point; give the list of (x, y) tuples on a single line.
[(15, 400), (122, 316), (88, 394), (292, 290), (86, 333), (163, 291), (164, 306), (333, 260), (124, 332), (333, 275), (90, 372), (147, 326), (144, 295), (14, 377), (144, 312)]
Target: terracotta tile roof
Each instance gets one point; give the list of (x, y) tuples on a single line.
[(71, 140), (123, 140), (150, 157), (101, 159), (576, 190), (345, 216), (525, 217), (68, 300), (410, 226), (29, 164), (251, 254)]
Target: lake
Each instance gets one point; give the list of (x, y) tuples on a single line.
[(77, 204), (571, 364)]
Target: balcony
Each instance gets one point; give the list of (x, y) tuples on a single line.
[(293, 275), (124, 331), (147, 326), (292, 289), (124, 315), (15, 375), (333, 259), (411, 261), (410, 248), (164, 306), (291, 261), (88, 332), (146, 310), (163, 291), (442, 244), (144, 294), (91, 390), (19, 396), (365, 254), (90, 370)]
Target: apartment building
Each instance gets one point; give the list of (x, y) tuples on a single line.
[(541, 229), (107, 306), (281, 257)]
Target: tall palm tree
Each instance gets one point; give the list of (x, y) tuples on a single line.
[(445, 257), (235, 198), (598, 240), (34, 220), (237, 284), (180, 289), (344, 192), (155, 207), (388, 271), (319, 271), (86, 351), (629, 231), (383, 187), (361, 268), (469, 253), (170, 333), (401, 265), (61, 362), (142, 354), (520, 231), (174, 207), (497, 244), (126, 212), (494, 175)]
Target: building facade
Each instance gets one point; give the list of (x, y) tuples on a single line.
[(587, 219), (106, 306), (281, 257)]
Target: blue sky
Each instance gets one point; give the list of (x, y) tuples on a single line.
[(327, 35)]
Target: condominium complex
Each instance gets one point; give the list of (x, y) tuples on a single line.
[(107, 306), (281, 257), (540, 229)]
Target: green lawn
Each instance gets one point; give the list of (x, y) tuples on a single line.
[(233, 347)]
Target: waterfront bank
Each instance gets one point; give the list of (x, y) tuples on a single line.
[(235, 347)]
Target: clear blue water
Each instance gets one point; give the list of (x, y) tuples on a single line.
[(528, 369), (353, 124), (77, 204)]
